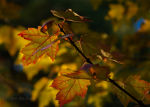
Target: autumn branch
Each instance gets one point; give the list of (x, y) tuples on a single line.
[(110, 80)]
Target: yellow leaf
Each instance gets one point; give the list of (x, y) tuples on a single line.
[(43, 93), (116, 11), (145, 27), (69, 88), (38, 87), (48, 95), (40, 44), (33, 69), (132, 9), (8, 37)]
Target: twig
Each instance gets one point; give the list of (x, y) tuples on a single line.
[(110, 80), (74, 45), (126, 92)]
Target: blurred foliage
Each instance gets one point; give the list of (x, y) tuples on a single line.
[(119, 27)]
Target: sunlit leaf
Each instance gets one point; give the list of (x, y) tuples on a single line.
[(47, 25), (69, 88), (8, 37), (36, 48), (47, 95), (145, 27), (97, 99), (38, 87), (116, 11), (33, 69), (43, 93), (132, 9), (81, 74)]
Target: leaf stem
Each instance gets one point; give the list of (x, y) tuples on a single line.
[(110, 80)]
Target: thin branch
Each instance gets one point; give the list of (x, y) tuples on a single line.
[(82, 54), (126, 92), (110, 80)]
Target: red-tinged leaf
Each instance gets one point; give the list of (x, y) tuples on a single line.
[(51, 27), (138, 88), (70, 87), (141, 87), (46, 25), (69, 15), (36, 48), (81, 74), (34, 35)]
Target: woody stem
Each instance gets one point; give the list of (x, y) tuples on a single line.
[(110, 80)]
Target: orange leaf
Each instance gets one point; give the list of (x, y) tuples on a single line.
[(70, 87), (47, 25), (38, 45)]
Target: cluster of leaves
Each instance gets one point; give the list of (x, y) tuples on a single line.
[(37, 81), (71, 83), (45, 40)]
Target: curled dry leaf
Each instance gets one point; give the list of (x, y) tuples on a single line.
[(111, 56), (69, 15), (47, 25)]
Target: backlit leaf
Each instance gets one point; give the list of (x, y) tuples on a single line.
[(43, 93), (132, 9), (47, 25), (8, 37), (33, 69), (38, 87), (69, 87), (38, 45), (81, 74), (116, 11)]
